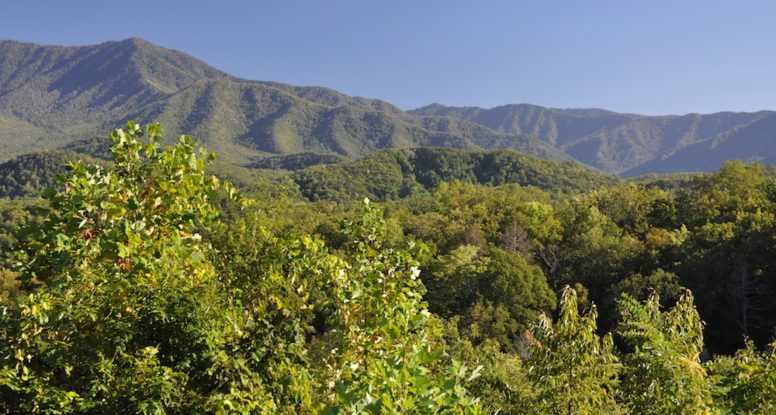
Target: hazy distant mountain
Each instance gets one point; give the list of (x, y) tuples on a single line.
[(53, 96), (632, 144)]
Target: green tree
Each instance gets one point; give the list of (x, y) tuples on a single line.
[(278, 284), (727, 259), (503, 387), (662, 370), (746, 382), (496, 294), (123, 312), (387, 358), (573, 370), (595, 251)]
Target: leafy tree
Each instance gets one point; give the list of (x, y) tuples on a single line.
[(127, 308), (634, 208), (662, 370), (495, 294), (746, 382), (14, 214), (728, 256), (520, 287), (453, 280), (9, 287), (641, 287), (573, 370), (123, 311), (278, 284), (486, 322), (385, 360), (595, 251), (503, 387)]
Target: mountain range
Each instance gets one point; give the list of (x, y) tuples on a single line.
[(53, 96), (631, 144), (69, 97)]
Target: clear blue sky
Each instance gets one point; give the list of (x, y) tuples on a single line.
[(652, 57)]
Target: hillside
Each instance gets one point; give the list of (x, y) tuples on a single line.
[(382, 175), (52, 96), (631, 144), (29, 174), (393, 174)]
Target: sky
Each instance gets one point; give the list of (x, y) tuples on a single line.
[(649, 57)]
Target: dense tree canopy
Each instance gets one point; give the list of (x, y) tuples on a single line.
[(126, 309), (483, 284)]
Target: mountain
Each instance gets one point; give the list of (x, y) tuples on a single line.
[(69, 97), (631, 144), (50, 95), (56, 96)]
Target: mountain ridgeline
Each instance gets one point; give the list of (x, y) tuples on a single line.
[(631, 144), (398, 173), (66, 97), (51, 96)]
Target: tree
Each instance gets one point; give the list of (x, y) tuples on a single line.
[(502, 387), (496, 293), (728, 256), (122, 309), (662, 370), (746, 382), (128, 308), (573, 370), (595, 251), (386, 359)]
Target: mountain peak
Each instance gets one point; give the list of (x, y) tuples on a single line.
[(137, 41), (45, 88)]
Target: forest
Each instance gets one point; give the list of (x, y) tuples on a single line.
[(411, 281)]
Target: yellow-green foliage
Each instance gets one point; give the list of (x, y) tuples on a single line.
[(142, 287), (125, 307)]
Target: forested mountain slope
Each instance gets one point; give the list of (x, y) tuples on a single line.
[(51, 96), (29, 174), (382, 175), (397, 173), (632, 144)]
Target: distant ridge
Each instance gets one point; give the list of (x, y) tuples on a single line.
[(632, 144)]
